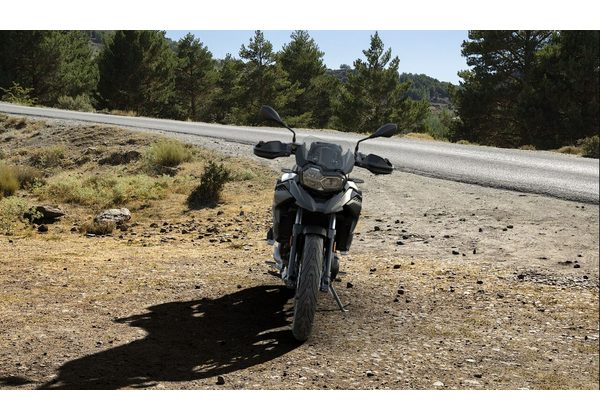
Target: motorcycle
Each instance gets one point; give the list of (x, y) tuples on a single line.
[(316, 207)]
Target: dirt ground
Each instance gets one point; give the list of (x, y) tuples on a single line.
[(448, 286)]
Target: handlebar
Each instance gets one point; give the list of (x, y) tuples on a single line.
[(274, 149), (374, 163)]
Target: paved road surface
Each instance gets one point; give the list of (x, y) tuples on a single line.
[(563, 176)]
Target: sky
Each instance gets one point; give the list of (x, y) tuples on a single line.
[(435, 53)]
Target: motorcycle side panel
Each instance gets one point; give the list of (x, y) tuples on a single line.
[(284, 212), (346, 222)]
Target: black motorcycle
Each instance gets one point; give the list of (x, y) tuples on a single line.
[(315, 210)]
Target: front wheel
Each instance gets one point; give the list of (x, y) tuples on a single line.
[(309, 279)]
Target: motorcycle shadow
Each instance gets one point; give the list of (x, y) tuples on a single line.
[(190, 340)]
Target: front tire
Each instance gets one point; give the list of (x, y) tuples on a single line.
[(309, 280)]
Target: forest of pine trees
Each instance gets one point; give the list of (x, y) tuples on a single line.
[(537, 88)]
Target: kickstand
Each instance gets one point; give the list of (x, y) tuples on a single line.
[(337, 299)]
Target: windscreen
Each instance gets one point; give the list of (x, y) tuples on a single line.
[(329, 156)]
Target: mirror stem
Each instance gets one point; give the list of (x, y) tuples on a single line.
[(293, 132), (358, 142)]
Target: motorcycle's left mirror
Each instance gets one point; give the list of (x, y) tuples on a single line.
[(387, 130), (268, 113)]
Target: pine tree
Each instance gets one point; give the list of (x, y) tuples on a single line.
[(262, 81), (303, 62), (77, 73), (137, 73), (195, 78), (495, 102), (567, 89), (374, 94), (227, 91), (52, 63)]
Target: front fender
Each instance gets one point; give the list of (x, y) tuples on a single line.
[(331, 205)]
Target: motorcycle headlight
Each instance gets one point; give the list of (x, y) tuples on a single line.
[(313, 178)]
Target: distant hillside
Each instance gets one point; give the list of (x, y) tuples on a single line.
[(425, 87), (97, 38), (422, 86), (342, 73)]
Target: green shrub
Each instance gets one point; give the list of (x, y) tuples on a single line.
[(48, 157), (167, 154), (590, 146), (78, 103), (211, 185), (9, 183), (438, 124), (18, 94), (305, 120), (11, 211)]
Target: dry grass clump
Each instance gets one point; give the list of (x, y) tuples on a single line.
[(102, 191), (9, 183), (121, 113), (570, 150), (245, 174), (12, 123), (49, 157), (13, 177), (20, 124), (590, 146), (98, 228), (527, 147), (421, 136), (28, 176), (11, 211), (167, 154)]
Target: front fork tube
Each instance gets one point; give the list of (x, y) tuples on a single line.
[(296, 231), (326, 278)]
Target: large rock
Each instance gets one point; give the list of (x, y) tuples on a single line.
[(117, 216), (44, 214)]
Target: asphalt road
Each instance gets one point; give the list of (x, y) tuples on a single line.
[(547, 173)]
